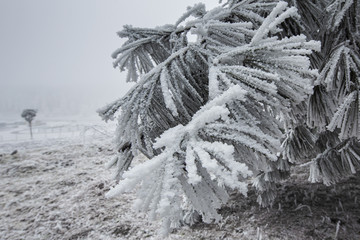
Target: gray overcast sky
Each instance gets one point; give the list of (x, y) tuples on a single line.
[(55, 55)]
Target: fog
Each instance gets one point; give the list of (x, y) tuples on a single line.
[(55, 55)]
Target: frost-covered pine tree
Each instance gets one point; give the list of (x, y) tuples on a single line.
[(331, 147), (227, 110)]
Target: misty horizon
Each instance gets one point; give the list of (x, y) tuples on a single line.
[(56, 56)]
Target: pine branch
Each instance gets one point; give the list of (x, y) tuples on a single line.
[(299, 144), (321, 106), (347, 117), (204, 163), (336, 163), (144, 49), (337, 10)]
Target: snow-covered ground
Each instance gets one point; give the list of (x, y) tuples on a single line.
[(53, 187)]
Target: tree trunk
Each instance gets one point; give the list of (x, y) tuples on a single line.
[(31, 135)]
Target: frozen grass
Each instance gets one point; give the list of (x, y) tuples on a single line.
[(57, 192), (55, 189)]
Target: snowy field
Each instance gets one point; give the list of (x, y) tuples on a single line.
[(53, 187)]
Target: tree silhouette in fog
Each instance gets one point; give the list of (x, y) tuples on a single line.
[(29, 115)]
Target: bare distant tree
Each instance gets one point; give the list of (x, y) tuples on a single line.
[(29, 115)]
